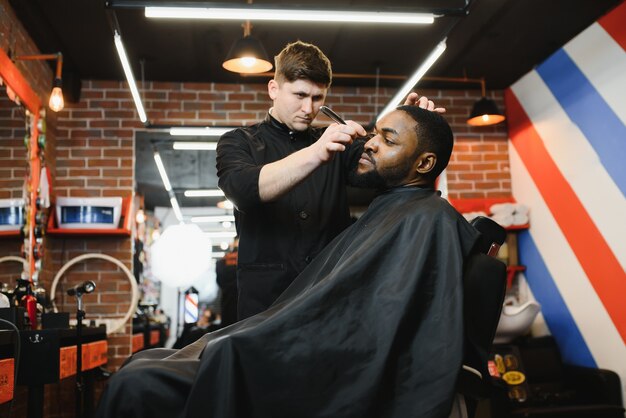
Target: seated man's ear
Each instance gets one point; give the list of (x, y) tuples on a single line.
[(425, 163)]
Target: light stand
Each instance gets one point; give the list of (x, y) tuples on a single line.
[(78, 291)]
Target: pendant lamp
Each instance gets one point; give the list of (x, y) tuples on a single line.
[(247, 55), (485, 112)]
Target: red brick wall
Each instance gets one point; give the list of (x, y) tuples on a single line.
[(106, 118), (12, 170)]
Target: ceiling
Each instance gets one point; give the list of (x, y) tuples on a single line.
[(499, 40)]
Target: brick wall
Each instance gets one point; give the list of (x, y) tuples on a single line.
[(106, 118), (12, 170)]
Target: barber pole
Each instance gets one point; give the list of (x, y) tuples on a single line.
[(191, 308)]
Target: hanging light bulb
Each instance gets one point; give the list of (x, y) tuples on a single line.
[(140, 217), (247, 55), (56, 102)]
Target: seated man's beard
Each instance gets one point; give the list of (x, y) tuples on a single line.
[(374, 179), (368, 180)]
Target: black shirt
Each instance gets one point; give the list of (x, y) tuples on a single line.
[(278, 239)]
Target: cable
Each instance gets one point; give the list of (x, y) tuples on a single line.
[(129, 275), (16, 356)]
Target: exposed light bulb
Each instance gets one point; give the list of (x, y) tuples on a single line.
[(56, 99), (224, 245), (140, 217), (486, 118), (248, 61), (227, 224)]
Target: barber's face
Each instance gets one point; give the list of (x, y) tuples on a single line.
[(389, 156), (296, 104)]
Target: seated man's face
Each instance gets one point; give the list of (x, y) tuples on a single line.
[(389, 156)]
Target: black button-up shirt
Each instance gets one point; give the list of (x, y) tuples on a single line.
[(277, 239)]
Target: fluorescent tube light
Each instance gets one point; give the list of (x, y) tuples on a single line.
[(129, 77), (204, 193), (195, 146), (159, 163), (177, 211), (218, 254), (225, 234), (212, 219), (419, 73), (289, 15), (199, 131)]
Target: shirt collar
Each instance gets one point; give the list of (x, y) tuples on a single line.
[(293, 135)]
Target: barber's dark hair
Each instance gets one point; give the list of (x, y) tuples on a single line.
[(433, 135), (300, 60)]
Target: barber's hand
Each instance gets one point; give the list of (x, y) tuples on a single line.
[(413, 99), (336, 138)]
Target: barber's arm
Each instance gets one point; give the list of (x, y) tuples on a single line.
[(281, 176)]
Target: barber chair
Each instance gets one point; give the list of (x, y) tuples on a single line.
[(484, 286), (551, 388)]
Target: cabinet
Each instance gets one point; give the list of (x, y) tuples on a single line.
[(7, 366)]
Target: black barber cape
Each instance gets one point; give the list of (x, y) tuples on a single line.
[(373, 327)]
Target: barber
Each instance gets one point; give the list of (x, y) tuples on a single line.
[(288, 179)]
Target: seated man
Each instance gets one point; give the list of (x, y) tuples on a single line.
[(373, 327)]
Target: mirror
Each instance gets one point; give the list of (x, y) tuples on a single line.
[(186, 170)]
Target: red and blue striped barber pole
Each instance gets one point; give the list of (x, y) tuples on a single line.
[(567, 127), (191, 308)]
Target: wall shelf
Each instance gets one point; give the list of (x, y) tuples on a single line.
[(10, 234), (124, 229), (483, 205)]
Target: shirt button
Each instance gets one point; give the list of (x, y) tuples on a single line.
[(303, 215)]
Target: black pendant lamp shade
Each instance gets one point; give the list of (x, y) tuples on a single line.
[(248, 56), (485, 112)]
